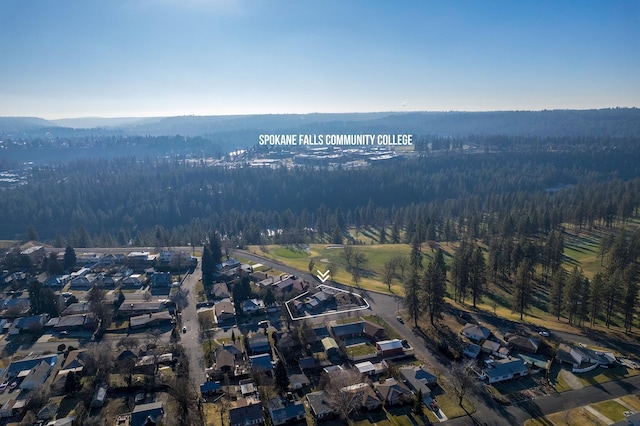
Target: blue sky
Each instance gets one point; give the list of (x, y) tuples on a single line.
[(179, 57)]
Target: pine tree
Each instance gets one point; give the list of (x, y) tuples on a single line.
[(434, 288), (416, 253), (412, 297), (557, 292), (595, 296), (281, 378), (70, 259)]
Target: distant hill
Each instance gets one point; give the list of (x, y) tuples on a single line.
[(244, 129), (99, 122), (20, 124)]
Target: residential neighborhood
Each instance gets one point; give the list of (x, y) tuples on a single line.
[(275, 349)]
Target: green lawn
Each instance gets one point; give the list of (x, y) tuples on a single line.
[(361, 349), (611, 409)]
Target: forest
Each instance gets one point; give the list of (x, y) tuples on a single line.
[(504, 201)]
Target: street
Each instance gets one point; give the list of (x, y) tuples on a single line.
[(191, 339)]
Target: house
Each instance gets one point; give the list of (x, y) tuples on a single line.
[(365, 397), (298, 381), (475, 333), (393, 392), (80, 283), (506, 369), (223, 311), (220, 291), (252, 306), (65, 421), (471, 350), (161, 279), (8, 409), (583, 359), (130, 308), (142, 412), (495, 349), (131, 281), (419, 379), (76, 308), (225, 361), (23, 366), (210, 388), (371, 369), (330, 346), (247, 387), (262, 363), (523, 344), (307, 363), (258, 344), (49, 411), (281, 411), (99, 396), (139, 259), (75, 361), (319, 405), (36, 376), (149, 320), (74, 322), (388, 348), (228, 264), (348, 330), (33, 323), (245, 414), (373, 331)]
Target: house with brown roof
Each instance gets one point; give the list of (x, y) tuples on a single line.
[(393, 392), (223, 311)]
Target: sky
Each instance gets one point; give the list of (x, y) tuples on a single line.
[(144, 58)]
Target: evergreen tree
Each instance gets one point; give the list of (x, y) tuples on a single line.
[(557, 293), (412, 296), (595, 296), (415, 257), (478, 274), (522, 288), (382, 236), (72, 384), (70, 258), (208, 267), (281, 378), (434, 287)]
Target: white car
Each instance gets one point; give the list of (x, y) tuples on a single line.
[(184, 329), (544, 333)]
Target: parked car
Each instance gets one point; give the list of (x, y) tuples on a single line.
[(184, 329), (3, 387), (400, 320), (544, 333)]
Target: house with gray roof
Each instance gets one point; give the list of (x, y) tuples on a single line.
[(245, 414), (506, 369), (319, 405), (419, 379), (281, 411), (142, 412)]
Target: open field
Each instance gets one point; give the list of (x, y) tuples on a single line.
[(611, 409)]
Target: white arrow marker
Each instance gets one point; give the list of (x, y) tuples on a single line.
[(323, 276)]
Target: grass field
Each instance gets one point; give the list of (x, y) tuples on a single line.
[(611, 409), (582, 248), (572, 417)]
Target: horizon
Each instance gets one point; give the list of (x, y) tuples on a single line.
[(316, 113)]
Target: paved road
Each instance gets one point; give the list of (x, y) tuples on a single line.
[(488, 412), (191, 339)]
